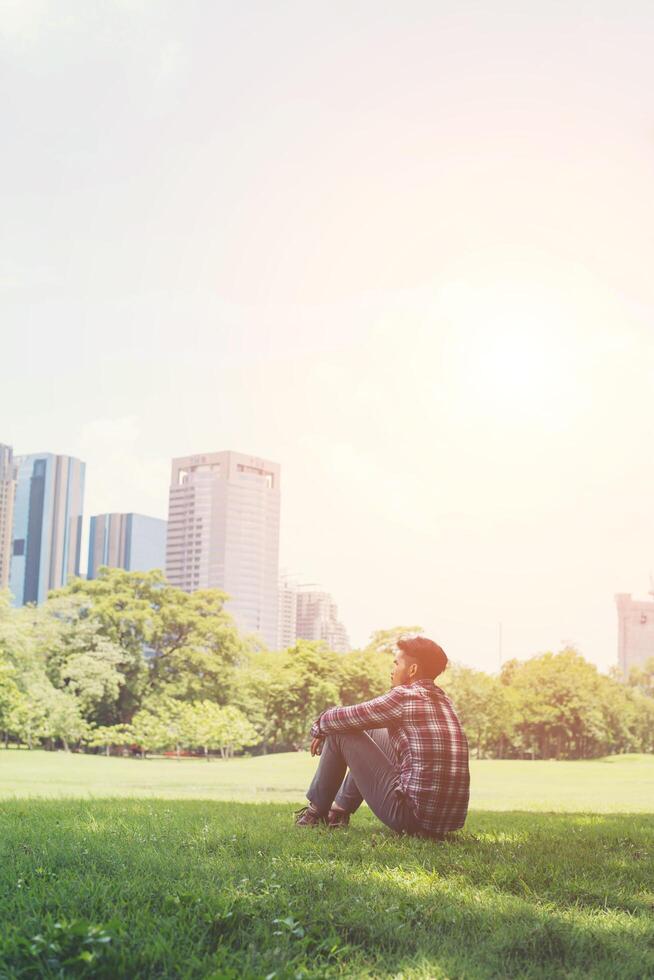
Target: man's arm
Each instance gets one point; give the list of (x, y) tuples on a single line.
[(378, 713)]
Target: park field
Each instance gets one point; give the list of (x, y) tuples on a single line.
[(115, 868), (622, 784)]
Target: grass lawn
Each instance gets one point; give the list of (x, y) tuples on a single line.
[(622, 784), (168, 885)]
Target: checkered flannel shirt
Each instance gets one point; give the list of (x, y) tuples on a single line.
[(430, 745)]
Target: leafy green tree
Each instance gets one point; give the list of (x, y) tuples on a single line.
[(211, 726), (642, 723), (155, 727), (643, 678), (302, 682), (487, 710), (108, 737), (385, 641), (10, 698), (63, 718), (561, 705), (79, 658), (173, 644), (362, 675), (27, 721)]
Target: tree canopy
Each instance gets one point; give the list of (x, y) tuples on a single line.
[(126, 662)]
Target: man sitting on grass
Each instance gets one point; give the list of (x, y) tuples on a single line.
[(406, 752)]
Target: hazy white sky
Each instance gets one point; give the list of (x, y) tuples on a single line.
[(404, 249)]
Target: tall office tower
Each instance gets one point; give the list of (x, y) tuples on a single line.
[(317, 619), (223, 533), (287, 614), (635, 631), (7, 491), (47, 533), (131, 541)]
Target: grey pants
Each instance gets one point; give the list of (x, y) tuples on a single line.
[(373, 777)]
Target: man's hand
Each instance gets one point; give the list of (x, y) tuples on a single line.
[(316, 745)]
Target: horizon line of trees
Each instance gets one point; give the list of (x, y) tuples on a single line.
[(126, 662)]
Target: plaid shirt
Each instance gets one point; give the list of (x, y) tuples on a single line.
[(430, 745)]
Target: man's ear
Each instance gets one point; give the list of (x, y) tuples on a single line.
[(413, 670)]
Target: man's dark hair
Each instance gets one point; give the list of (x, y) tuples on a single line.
[(431, 658)]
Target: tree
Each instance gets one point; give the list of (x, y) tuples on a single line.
[(302, 682), (27, 721), (79, 658), (385, 641), (643, 677), (488, 710), (154, 727), (363, 675), (560, 704), (10, 698), (108, 736), (211, 726), (63, 718), (173, 644)]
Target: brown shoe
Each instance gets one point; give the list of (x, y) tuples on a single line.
[(337, 819), (308, 817)]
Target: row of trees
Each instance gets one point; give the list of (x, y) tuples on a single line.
[(127, 660), (554, 706)]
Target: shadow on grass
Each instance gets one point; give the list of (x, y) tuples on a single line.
[(192, 888)]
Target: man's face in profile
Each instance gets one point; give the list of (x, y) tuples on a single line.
[(400, 671)]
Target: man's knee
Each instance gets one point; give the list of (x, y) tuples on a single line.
[(341, 741)]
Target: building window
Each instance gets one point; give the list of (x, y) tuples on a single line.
[(19, 546), (643, 618)]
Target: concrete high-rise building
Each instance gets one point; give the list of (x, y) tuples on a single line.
[(635, 631), (287, 614), (7, 492), (47, 529), (223, 533), (317, 619), (134, 542)]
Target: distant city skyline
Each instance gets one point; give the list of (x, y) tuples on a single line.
[(222, 532), (107, 528)]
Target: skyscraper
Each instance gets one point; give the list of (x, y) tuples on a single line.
[(635, 631), (287, 614), (131, 541), (7, 491), (47, 530), (317, 619), (223, 533)]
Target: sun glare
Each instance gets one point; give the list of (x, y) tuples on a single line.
[(516, 354)]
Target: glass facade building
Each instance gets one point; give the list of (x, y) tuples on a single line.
[(134, 542), (47, 525)]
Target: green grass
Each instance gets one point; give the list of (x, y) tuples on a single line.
[(209, 888), (618, 783)]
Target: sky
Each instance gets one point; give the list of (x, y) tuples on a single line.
[(405, 250)]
